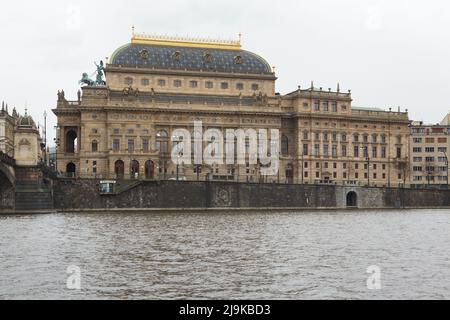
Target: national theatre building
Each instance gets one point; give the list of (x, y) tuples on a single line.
[(123, 127)]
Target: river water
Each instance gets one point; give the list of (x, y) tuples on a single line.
[(317, 255)]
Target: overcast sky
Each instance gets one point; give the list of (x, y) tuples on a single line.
[(389, 53)]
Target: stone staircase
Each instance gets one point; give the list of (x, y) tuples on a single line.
[(33, 197)]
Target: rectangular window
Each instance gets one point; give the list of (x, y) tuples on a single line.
[(356, 152), (344, 151), (116, 145), (442, 140), (224, 85), (383, 152), (317, 150), (335, 152), (255, 87), (344, 138), (334, 106), (417, 150), (334, 137), (366, 152), (161, 83), (326, 106), (209, 85), (374, 152), (116, 131), (399, 153), (417, 159), (130, 146), (177, 83), (429, 159), (429, 140), (429, 150), (239, 86), (417, 140), (305, 149), (442, 150), (374, 138), (317, 105), (193, 84), (305, 135), (326, 150), (145, 145)]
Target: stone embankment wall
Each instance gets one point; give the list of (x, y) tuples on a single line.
[(84, 194)]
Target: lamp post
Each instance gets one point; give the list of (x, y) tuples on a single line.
[(45, 137), (57, 141)]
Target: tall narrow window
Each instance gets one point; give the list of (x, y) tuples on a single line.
[(116, 145), (130, 146), (145, 145), (94, 146)]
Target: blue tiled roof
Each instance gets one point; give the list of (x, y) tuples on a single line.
[(192, 59)]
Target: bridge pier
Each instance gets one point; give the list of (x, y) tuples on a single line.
[(7, 193)]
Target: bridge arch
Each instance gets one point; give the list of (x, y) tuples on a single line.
[(8, 173)]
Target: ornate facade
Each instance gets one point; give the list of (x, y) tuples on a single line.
[(19, 138), (155, 85)]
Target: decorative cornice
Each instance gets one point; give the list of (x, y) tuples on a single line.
[(207, 74), (175, 41)]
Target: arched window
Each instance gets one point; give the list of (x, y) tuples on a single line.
[(94, 146), (149, 170), (134, 169), (119, 169), (71, 141), (71, 169), (284, 145)]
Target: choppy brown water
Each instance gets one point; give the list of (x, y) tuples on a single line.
[(227, 256)]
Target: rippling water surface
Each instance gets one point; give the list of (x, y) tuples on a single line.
[(227, 256)]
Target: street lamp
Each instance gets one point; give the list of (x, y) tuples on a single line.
[(57, 142), (45, 137)]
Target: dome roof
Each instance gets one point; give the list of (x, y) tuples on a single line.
[(193, 56), (26, 121)]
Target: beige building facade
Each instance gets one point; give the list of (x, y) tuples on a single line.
[(429, 153), (155, 85), (20, 138)]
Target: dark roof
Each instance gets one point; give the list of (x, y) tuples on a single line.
[(191, 59)]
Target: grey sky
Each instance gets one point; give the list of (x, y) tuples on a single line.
[(390, 53)]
